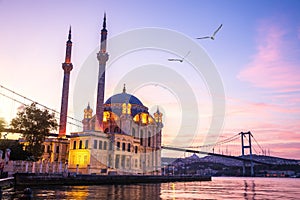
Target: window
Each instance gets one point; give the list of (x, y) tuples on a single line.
[(105, 145), (100, 144), (117, 161), (95, 144), (74, 145), (85, 159), (86, 144), (141, 137), (123, 146), (149, 138), (57, 149), (110, 146), (128, 163), (128, 147), (141, 141), (80, 144), (135, 149), (123, 161), (118, 145), (48, 149)]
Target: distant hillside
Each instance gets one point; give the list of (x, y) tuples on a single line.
[(229, 162)]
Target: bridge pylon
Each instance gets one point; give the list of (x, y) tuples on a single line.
[(245, 145)]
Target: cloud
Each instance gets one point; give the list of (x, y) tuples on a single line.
[(275, 65)]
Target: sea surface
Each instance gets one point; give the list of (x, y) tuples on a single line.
[(218, 188)]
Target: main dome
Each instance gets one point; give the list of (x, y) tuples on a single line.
[(114, 104), (123, 98)]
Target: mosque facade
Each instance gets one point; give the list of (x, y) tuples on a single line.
[(122, 137)]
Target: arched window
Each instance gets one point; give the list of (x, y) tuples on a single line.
[(74, 145), (128, 147), (106, 130), (80, 144), (117, 130)]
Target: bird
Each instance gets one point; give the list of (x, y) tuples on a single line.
[(213, 36), (178, 59)]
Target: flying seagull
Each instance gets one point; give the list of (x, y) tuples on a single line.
[(178, 59), (213, 36)]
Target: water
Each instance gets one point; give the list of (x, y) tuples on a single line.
[(218, 188)]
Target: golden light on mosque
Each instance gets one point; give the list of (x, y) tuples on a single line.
[(81, 157), (126, 108), (144, 118), (106, 116)]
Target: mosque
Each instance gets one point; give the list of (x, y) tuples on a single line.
[(122, 137)]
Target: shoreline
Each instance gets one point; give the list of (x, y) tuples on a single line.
[(29, 179)]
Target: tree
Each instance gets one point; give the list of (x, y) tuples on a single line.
[(35, 125), (2, 126)]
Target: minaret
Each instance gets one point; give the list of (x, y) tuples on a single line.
[(102, 57), (67, 67)]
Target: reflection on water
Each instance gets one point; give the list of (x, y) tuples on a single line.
[(218, 188), (234, 188), (110, 192)]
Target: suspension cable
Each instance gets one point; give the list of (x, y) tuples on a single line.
[(34, 102)]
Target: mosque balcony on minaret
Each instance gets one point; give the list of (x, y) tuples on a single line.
[(102, 57), (67, 67)]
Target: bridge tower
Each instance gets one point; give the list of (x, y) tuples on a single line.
[(245, 145)]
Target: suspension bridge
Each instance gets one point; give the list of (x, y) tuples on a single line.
[(244, 141)]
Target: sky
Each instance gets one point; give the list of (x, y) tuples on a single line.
[(254, 64)]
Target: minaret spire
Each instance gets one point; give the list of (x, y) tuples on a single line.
[(69, 37), (67, 67), (68, 48), (104, 21), (102, 57)]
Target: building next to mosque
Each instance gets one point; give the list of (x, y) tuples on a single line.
[(121, 138)]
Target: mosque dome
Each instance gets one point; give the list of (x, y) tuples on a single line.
[(116, 102), (123, 98)]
